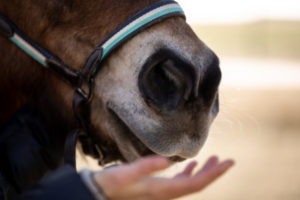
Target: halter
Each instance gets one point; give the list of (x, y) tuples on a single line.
[(83, 81)]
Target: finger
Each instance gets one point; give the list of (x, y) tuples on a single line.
[(212, 167), (144, 167), (205, 177), (212, 161), (188, 170), (179, 187)]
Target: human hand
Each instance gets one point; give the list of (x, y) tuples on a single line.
[(133, 181)]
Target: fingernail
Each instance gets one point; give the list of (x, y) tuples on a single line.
[(229, 163), (194, 162), (163, 162), (214, 158)]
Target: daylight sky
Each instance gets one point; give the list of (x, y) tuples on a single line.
[(239, 11)]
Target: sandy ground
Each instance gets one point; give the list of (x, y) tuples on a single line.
[(259, 127)]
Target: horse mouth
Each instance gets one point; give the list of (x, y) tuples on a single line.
[(138, 145)]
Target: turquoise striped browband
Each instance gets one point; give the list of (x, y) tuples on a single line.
[(140, 21), (143, 19)]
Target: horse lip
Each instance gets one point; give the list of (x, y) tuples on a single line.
[(176, 159), (141, 148)]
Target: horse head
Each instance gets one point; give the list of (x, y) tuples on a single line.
[(156, 94)]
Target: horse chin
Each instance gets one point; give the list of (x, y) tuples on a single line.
[(134, 148)]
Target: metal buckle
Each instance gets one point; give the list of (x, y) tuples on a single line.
[(86, 89)]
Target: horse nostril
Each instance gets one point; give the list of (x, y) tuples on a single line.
[(168, 81), (165, 84), (210, 81)]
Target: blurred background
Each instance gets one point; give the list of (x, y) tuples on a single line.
[(258, 43)]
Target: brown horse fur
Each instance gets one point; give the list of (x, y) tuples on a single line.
[(128, 121), (68, 29)]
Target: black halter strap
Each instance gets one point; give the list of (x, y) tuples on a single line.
[(83, 84), (83, 81)]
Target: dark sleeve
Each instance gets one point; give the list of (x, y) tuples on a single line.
[(63, 184)]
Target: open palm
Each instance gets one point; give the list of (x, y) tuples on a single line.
[(134, 181)]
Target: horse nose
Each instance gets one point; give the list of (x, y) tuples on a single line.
[(171, 82)]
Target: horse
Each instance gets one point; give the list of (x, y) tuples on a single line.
[(155, 94)]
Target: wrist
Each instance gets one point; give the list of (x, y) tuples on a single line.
[(90, 181)]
